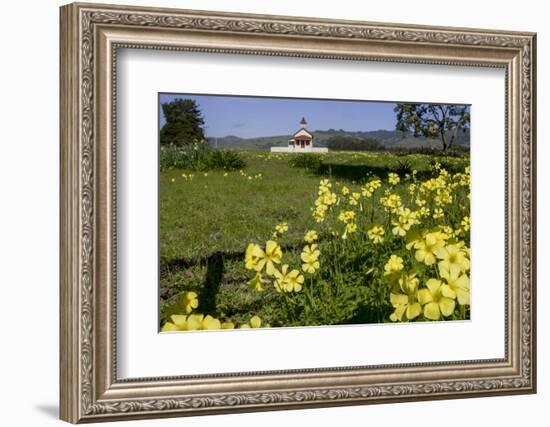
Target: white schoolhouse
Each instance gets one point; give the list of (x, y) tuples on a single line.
[(301, 142)]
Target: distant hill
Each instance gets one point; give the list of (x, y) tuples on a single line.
[(389, 138)]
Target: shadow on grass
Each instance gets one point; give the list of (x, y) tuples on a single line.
[(365, 314), (351, 172), (213, 278), (360, 172)]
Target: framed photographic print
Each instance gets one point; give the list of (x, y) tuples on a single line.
[(267, 212)]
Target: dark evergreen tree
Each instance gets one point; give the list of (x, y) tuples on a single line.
[(184, 122)]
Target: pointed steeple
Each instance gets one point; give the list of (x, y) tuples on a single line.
[(303, 123)]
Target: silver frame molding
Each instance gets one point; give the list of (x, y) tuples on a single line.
[(90, 37)]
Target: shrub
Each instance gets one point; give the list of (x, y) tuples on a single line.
[(189, 156), (311, 162), (226, 160), (403, 167), (199, 156)]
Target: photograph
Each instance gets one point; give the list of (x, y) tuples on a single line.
[(294, 212)]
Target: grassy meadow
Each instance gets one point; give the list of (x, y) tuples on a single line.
[(388, 241)]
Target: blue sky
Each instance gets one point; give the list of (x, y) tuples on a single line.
[(248, 117)]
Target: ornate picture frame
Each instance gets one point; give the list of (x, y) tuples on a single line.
[(90, 37)]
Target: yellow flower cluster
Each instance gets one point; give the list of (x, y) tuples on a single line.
[(280, 229), (391, 202), (393, 178), (194, 322), (348, 218), (354, 198), (376, 233), (189, 301), (421, 227), (370, 187), (311, 236), (326, 198), (263, 262), (405, 220), (197, 321), (310, 258), (439, 296), (288, 281), (429, 275)]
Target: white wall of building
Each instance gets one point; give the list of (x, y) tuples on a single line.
[(292, 149)]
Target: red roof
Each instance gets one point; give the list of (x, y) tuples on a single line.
[(303, 121)]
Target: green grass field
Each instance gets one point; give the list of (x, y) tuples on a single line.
[(207, 221)]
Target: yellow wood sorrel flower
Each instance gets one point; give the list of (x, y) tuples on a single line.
[(327, 198), (250, 260), (369, 188), (438, 213), (268, 258), (354, 198), (393, 178), (406, 307), (392, 202), (324, 186), (258, 282), (210, 322), (178, 323), (423, 212), (405, 221), (346, 216), (458, 284), (310, 257), (255, 321), (288, 281), (435, 303), (408, 283), (194, 322), (320, 212), (350, 229), (281, 228), (453, 254), (188, 301), (465, 223), (294, 281), (427, 248), (311, 236), (228, 325), (394, 265), (376, 233)]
